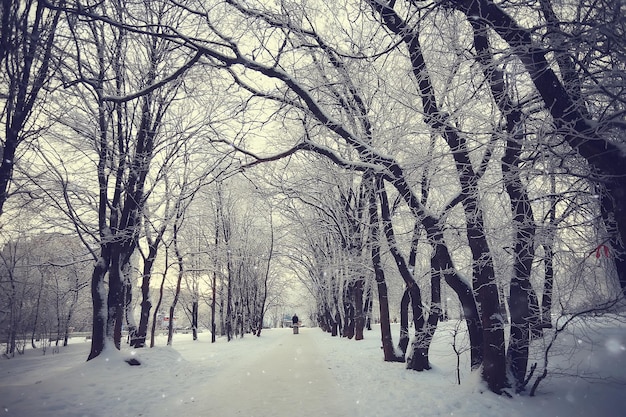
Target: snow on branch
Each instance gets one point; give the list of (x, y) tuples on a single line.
[(180, 71), (303, 146)]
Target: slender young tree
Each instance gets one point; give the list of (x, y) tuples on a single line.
[(379, 273), (425, 324)]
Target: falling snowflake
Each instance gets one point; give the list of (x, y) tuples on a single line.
[(614, 346)]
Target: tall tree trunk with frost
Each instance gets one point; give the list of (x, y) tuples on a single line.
[(569, 116), (523, 305), (484, 284), (383, 296)]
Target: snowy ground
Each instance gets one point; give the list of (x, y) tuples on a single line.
[(310, 374)]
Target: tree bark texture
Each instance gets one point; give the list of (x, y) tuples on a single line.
[(99, 309)]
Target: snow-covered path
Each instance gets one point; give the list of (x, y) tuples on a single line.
[(310, 374), (289, 378)]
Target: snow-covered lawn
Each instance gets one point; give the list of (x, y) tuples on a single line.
[(196, 378)]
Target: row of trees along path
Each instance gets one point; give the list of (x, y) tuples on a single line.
[(530, 108)]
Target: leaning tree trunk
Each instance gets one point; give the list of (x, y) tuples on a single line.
[(417, 358), (181, 271), (568, 115), (263, 296), (403, 343), (139, 339), (379, 274), (523, 305), (406, 296), (494, 369)]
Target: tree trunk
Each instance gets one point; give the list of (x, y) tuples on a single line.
[(213, 306), (12, 324), (403, 343), (263, 297), (523, 306), (369, 305), (548, 262), (222, 318), (229, 308), (194, 318), (548, 285), (418, 360), (115, 301), (70, 312), (129, 319), (359, 318), (406, 296), (215, 269), (139, 340), (379, 274), (613, 208), (348, 303), (36, 321), (99, 309), (338, 322), (569, 116), (417, 357), (158, 304), (179, 261), (484, 280), (332, 323)]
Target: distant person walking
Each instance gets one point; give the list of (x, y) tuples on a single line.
[(295, 322)]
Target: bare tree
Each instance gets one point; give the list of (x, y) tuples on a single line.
[(27, 51), (342, 102), (593, 141), (41, 290), (129, 135)]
